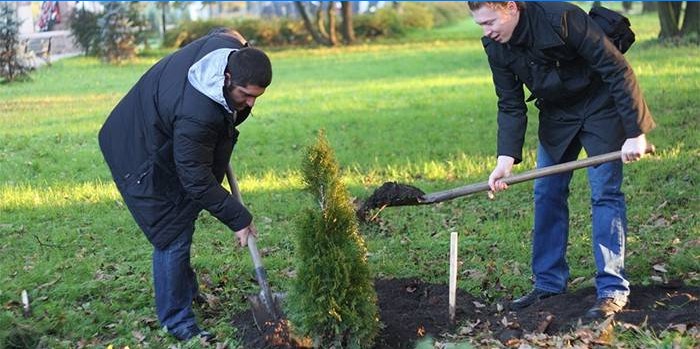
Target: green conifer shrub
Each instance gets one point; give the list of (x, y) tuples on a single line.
[(332, 299), (116, 33), (14, 62), (85, 30)]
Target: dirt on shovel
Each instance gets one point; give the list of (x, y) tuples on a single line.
[(389, 194)]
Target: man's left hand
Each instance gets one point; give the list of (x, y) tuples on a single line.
[(634, 148), (243, 234)]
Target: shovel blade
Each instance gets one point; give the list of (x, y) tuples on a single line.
[(265, 314)]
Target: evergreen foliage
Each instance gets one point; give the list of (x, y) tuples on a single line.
[(332, 299), (85, 30), (14, 62), (116, 33)]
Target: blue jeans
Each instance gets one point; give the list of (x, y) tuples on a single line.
[(551, 230), (175, 286)]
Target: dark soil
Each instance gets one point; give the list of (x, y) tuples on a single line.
[(411, 309), (390, 194)]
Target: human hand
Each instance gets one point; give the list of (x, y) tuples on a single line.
[(634, 148), (243, 234), (504, 165)]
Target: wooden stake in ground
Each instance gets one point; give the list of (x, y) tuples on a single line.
[(25, 304), (454, 238)]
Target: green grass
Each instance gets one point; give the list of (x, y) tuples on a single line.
[(419, 111)]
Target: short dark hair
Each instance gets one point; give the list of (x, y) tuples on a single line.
[(230, 32), (249, 66), (475, 5)]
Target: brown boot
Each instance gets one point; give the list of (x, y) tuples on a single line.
[(605, 307)]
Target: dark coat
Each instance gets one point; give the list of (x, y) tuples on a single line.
[(585, 89), (168, 145)]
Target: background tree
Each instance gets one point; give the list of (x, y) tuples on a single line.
[(330, 11), (332, 299), (347, 26), (85, 30), (317, 30), (670, 14), (14, 61), (116, 34), (649, 6), (136, 12), (691, 21), (627, 6)]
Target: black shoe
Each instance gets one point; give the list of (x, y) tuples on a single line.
[(206, 337), (198, 299), (195, 333), (529, 299), (606, 307)]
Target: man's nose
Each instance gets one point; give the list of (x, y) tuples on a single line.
[(250, 102)]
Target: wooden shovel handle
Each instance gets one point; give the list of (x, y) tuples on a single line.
[(252, 245), (525, 176)]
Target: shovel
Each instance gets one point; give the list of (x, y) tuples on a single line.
[(395, 194), (265, 305)]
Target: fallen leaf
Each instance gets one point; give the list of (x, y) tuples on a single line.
[(48, 284), (212, 300), (267, 250), (478, 305), (138, 336), (661, 268), (289, 272), (661, 222), (577, 280), (420, 331), (680, 328)]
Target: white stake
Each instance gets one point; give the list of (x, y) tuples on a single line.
[(25, 304), (454, 238)]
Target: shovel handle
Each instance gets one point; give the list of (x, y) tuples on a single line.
[(260, 272), (445, 195)]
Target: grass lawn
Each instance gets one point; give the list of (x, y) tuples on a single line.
[(421, 111)]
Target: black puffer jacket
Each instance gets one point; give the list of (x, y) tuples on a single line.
[(585, 89), (167, 145)]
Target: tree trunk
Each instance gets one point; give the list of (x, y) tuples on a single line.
[(691, 19), (320, 23), (649, 6), (348, 31), (627, 6), (162, 19), (309, 26), (332, 37), (669, 14)]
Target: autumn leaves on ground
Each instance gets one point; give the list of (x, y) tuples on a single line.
[(421, 113)]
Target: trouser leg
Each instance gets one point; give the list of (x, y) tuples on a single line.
[(609, 229), (551, 229), (174, 283)]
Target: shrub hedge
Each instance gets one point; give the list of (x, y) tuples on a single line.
[(387, 21)]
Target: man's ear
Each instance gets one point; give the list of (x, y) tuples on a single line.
[(227, 79), (512, 7)]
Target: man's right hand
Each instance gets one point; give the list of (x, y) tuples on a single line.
[(243, 234), (504, 165)]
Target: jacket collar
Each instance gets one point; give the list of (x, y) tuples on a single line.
[(534, 29)]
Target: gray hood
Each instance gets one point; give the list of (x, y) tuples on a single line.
[(207, 75)]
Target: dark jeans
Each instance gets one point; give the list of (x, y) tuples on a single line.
[(175, 286), (551, 231)]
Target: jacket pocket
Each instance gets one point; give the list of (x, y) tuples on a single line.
[(151, 196), (546, 82)]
